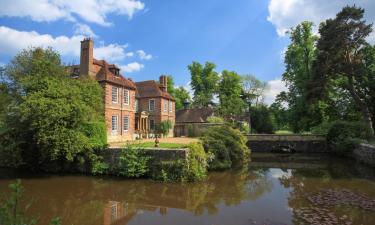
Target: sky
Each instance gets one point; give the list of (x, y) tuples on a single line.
[(147, 38)]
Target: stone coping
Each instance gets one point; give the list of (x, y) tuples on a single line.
[(285, 137)]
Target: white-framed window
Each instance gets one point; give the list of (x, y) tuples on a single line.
[(126, 97), (126, 123), (136, 105), (170, 106), (114, 124), (114, 94), (165, 105), (152, 124), (151, 105)]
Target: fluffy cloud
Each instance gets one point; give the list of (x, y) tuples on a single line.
[(132, 67), (142, 55), (94, 11), (111, 52), (274, 87), (13, 41), (284, 14), (83, 29)]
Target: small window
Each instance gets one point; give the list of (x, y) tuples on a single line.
[(151, 105), (136, 105), (126, 97), (126, 123), (114, 124), (114, 94), (165, 105), (152, 124), (170, 106)]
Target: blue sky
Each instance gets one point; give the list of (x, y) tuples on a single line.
[(147, 38)]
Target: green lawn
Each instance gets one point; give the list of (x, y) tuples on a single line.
[(284, 132), (161, 145)]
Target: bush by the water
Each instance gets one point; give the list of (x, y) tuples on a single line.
[(226, 146), (133, 162), (194, 169), (343, 136)]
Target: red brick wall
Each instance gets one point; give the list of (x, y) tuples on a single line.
[(120, 110)]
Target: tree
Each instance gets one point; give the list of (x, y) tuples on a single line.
[(55, 117), (170, 85), (299, 59), (230, 89), (181, 95), (204, 82), (253, 89), (340, 57)]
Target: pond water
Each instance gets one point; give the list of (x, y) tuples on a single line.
[(274, 190)]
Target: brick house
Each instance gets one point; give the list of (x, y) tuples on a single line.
[(132, 109)]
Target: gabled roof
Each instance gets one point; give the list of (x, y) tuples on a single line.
[(106, 75), (196, 115), (150, 89)]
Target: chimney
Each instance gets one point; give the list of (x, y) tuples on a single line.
[(87, 57), (163, 82)]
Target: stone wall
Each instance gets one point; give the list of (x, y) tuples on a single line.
[(111, 156), (287, 143), (365, 153)]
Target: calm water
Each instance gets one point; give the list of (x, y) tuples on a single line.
[(273, 191)]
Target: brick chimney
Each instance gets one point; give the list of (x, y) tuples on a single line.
[(87, 57), (163, 80)]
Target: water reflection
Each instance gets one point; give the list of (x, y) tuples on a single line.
[(270, 194)]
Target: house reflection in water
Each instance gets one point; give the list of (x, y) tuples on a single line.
[(122, 212)]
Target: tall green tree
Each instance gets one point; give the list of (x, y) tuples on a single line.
[(299, 59), (170, 85), (253, 89), (55, 118), (181, 95), (340, 58), (230, 90), (204, 82)]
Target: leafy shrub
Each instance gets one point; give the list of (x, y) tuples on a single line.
[(197, 162), (97, 134), (194, 169), (227, 147), (164, 127), (174, 170), (343, 136), (215, 119), (133, 162), (244, 127)]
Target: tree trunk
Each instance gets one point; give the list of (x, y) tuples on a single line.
[(362, 105)]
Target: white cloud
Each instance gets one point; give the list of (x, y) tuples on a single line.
[(274, 87), (94, 11), (111, 52), (12, 41), (132, 67), (129, 54), (143, 55), (83, 29), (284, 14)]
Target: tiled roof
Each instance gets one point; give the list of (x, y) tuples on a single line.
[(197, 115), (104, 74), (151, 88)]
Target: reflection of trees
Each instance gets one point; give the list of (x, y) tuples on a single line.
[(87, 200), (337, 175)]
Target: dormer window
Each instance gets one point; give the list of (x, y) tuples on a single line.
[(115, 71)]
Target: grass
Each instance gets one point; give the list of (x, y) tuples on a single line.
[(284, 132), (161, 145)]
